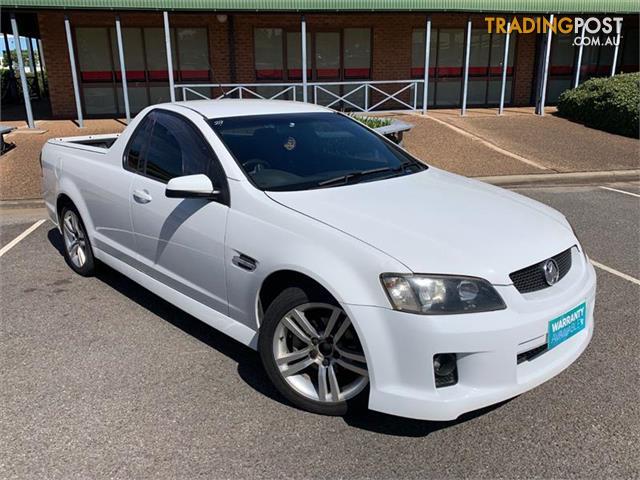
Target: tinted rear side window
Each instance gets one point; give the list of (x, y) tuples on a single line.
[(135, 150), (175, 149)]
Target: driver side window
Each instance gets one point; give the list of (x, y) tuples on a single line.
[(175, 149)]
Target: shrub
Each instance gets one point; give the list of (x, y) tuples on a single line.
[(372, 122), (609, 104)]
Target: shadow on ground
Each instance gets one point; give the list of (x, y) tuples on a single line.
[(249, 365), (16, 111)]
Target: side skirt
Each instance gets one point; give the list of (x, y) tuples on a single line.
[(213, 318)]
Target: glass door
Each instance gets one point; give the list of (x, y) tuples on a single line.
[(449, 66)]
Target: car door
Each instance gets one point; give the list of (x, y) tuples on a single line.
[(180, 241)]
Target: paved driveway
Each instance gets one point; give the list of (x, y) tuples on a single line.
[(554, 143), (101, 379)]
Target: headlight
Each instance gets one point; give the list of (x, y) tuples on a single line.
[(440, 294), (580, 244)]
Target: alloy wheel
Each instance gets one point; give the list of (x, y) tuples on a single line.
[(74, 239), (318, 353)]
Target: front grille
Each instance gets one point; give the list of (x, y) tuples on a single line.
[(531, 279), (531, 354)]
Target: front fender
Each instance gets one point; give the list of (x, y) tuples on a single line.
[(279, 238)]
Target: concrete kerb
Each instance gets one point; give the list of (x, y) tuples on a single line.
[(571, 178)]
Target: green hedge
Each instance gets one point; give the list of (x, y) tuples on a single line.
[(371, 122), (609, 104)]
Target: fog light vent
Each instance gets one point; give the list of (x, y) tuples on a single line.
[(531, 354), (445, 369)]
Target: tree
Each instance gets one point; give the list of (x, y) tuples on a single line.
[(14, 58)]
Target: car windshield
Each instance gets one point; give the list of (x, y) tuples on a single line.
[(303, 151)]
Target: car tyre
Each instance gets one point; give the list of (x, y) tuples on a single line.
[(332, 378), (77, 246)]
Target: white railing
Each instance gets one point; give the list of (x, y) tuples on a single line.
[(362, 96)]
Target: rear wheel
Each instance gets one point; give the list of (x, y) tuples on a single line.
[(312, 353), (77, 248)]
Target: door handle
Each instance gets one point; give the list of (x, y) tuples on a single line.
[(142, 196)]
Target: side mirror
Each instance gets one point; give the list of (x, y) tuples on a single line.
[(191, 186)]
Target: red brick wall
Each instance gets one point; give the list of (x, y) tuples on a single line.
[(391, 43), (525, 69), (54, 46)]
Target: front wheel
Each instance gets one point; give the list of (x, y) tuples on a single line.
[(77, 248), (311, 352)]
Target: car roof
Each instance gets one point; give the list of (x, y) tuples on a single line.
[(232, 107)]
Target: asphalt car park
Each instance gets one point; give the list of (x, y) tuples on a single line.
[(101, 378)]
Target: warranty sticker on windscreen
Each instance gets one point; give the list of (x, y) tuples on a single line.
[(566, 325)]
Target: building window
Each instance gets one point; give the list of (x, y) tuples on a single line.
[(357, 53), (145, 63), (278, 54), (156, 58), (193, 54), (630, 58), (445, 69), (446, 64), (135, 67), (294, 55), (417, 62), (96, 70), (449, 66), (561, 66), (494, 82), (268, 48), (597, 61), (327, 56)]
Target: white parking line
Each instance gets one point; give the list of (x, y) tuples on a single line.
[(616, 272), (621, 191), (20, 237)]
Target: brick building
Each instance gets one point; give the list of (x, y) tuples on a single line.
[(257, 47)]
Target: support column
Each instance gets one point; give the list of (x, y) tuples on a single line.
[(167, 46), (505, 63), (40, 52), (303, 30), (41, 63), (123, 70), (576, 77), (427, 52), (465, 85), (545, 71), (74, 74), (32, 63), (617, 47), (23, 76), (32, 67)]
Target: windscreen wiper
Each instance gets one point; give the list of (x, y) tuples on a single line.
[(355, 177)]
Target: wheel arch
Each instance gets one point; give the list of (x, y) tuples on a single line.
[(278, 280), (62, 201), (69, 194)]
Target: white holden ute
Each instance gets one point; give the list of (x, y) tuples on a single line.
[(354, 269)]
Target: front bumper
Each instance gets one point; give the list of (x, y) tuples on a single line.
[(400, 347)]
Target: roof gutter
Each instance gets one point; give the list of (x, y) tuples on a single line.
[(341, 6)]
